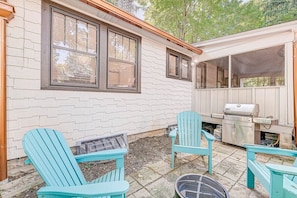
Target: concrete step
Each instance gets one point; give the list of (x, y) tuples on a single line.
[(17, 186)]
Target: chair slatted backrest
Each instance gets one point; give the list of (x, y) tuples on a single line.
[(52, 158), (189, 128)]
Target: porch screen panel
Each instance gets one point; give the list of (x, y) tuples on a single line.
[(260, 68), (213, 73)]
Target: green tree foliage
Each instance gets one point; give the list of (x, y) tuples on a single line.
[(173, 16), (130, 6), (224, 17), (279, 11), (197, 20)]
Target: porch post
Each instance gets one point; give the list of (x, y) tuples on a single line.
[(295, 88), (6, 13)]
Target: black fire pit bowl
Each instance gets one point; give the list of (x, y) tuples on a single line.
[(199, 186)]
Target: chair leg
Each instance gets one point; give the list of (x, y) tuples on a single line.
[(210, 157), (210, 163), (173, 154), (250, 180)]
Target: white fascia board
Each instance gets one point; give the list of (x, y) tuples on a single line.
[(246, 45)]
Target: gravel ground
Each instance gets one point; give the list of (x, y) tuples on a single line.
[(141, 152)]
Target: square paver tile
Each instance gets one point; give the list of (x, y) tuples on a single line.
[(160, 167), (225, 182), (145, 176), (222, 168), (143, 193), (239, 190), (161, 188), (134, 185)]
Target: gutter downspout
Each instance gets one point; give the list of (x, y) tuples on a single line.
[(295, 87), (6, 14)]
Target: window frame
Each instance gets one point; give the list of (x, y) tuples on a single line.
[(52, 46), (102, 52), (136, 69), (180, 58)]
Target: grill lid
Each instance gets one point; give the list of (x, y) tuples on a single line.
[(242, 109)]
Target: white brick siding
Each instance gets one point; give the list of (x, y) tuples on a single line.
[(82, 115)]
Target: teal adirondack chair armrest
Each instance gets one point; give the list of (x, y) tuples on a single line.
[(208, 136), (113, 154), (88, 190), (270, 150), (282, 169)]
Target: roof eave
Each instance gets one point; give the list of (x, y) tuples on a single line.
[(6, 10), (114, 11)]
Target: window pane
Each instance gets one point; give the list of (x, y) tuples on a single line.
[(62, 60), (122, 61), (70, 32), (112, 44), (126, 49), (74, 62), (185, 69), (119, 47), (71, 67), (86, 69), (200, 76), (173, 65), (259, 68), (132, 51), (213, 73), (92, 39), (121, 74), (58, 31), (82, 36)]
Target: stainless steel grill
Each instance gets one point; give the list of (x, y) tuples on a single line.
[(251, 110), (238, 125)]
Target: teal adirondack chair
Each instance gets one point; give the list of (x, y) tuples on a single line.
[(189, 130), (279, 180), (47, 150)]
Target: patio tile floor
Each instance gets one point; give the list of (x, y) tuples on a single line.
[(157, 180)]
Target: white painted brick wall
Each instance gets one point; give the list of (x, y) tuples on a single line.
[(82, 115)]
